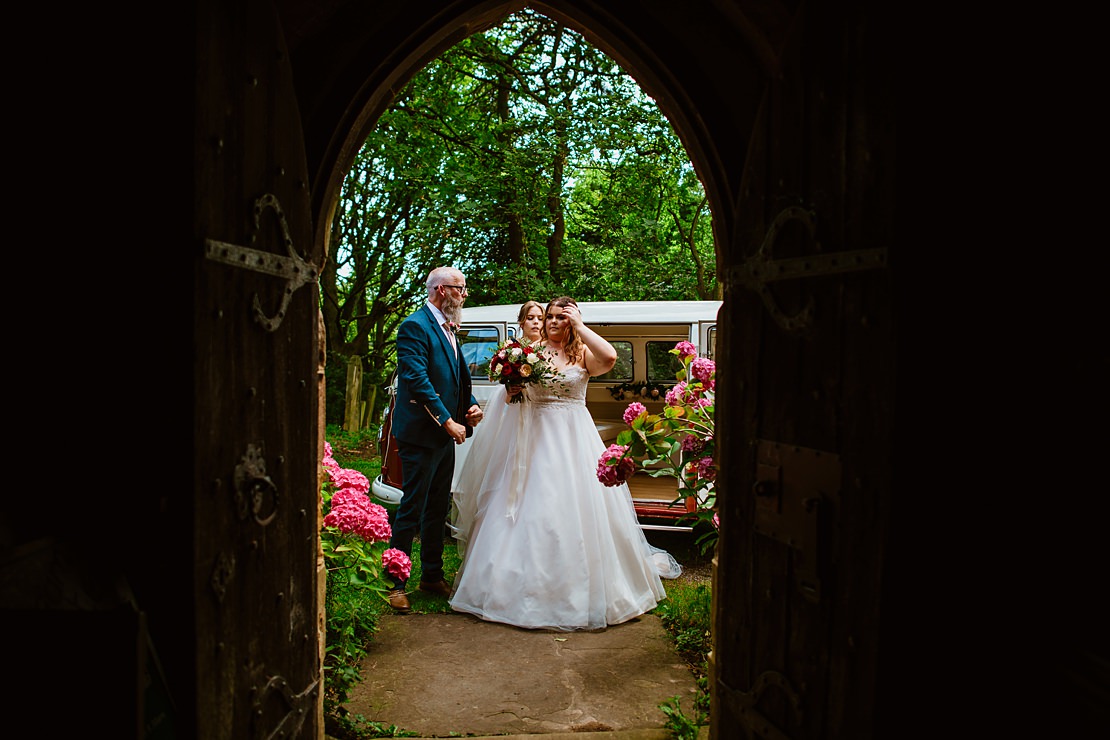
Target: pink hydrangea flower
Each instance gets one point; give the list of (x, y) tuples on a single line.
[(397, 563), (376, 526), (685, 349), (716, 520), (633, 412), (350, 497), (706, 471), (702, 368), (347, 519), (353, 512), (675, 394), (347, 478), (691, 443), (613, 474)]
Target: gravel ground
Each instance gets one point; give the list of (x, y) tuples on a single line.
[(696, 567)]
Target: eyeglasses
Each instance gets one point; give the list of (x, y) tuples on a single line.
[(461, 288)]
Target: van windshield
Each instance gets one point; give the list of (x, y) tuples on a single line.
[(478, 344)]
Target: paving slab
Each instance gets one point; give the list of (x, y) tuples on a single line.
[(443, 675)]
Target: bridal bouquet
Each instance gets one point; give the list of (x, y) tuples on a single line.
[(518, 362)]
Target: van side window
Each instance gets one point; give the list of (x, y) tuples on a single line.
[(622, 371), (711, 341), (477, 344), (661, 364)]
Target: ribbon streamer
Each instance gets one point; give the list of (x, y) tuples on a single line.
[(520, 465)]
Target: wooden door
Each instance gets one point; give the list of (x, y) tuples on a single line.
[(808, 354), (256, 501)]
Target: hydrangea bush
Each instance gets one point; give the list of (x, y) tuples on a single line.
[(679, 442), (356, 531), (354, 538)]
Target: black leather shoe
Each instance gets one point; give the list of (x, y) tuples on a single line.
[(439, 588), (399, 601)]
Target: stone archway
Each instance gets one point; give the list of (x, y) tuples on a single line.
[(635, 56)]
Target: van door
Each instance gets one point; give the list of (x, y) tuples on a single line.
[(707, 339)]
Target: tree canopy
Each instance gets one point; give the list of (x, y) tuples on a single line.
[(530, 160)]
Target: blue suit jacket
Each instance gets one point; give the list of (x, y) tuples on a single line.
[(432, 384)]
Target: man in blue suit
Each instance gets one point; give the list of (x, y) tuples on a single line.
[(435, 410)]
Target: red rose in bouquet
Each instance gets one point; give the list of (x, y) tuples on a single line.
[(519, 362)]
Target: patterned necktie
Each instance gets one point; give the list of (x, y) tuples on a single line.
[(451, 336)]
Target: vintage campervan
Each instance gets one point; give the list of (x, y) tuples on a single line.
[(643, 333)]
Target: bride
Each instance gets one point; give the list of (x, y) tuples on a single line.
[(544, 544)]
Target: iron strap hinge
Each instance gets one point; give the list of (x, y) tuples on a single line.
[(296, 271), (292, 268), (759, 269)]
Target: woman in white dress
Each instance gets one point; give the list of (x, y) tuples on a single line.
[(547, 545), (499, 414)]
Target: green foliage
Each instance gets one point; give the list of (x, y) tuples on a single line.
[(682, 727), (357, 727), (687, 615), (532, 161), (351, 621)]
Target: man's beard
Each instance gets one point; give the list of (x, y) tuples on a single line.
[(452, 308)]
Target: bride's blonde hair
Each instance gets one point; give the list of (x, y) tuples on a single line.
[(572, 345)]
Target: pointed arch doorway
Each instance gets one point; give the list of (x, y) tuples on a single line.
[(785, 112)]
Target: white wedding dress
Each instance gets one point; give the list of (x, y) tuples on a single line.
[(544, 544)]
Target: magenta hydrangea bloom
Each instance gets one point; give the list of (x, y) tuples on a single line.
[(351, 497), (329, 461), (706, 471), (691, 443), (613, 474), (716, 520), (676, 393), (685, 349), (347, 478), (397, 563), (376, 526), (633, 412), (347, 519), (702, 368)]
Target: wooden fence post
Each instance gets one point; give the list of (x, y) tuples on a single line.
[(352, 418)]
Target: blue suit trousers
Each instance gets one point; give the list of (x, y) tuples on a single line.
[(424, 506)]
